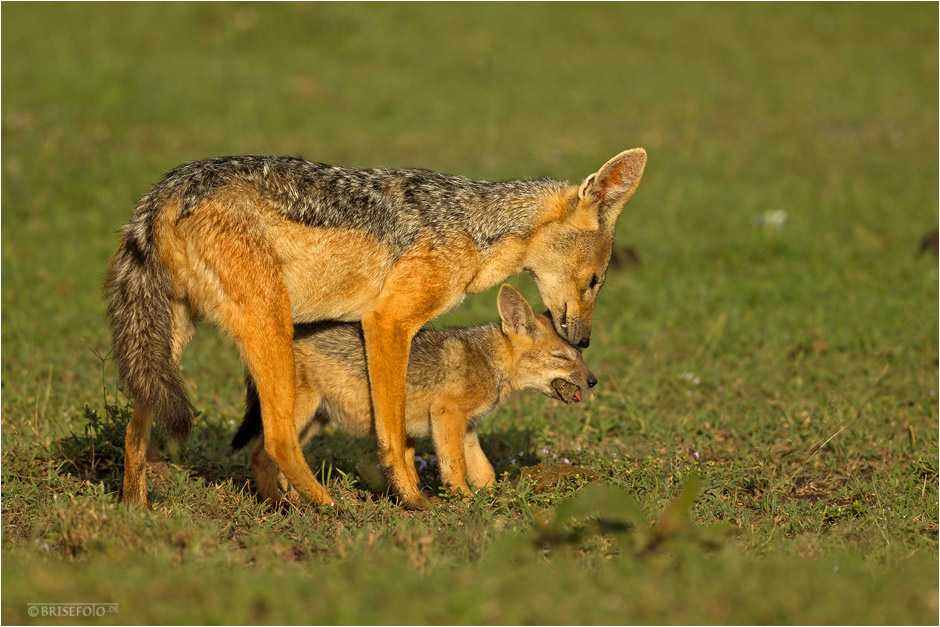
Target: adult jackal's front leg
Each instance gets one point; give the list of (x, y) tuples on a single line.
[(388, 344), (420, 286)]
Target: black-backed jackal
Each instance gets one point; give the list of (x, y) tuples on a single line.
[(256, 244), (456, 378)]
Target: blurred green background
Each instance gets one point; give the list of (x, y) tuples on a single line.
[(780, 296)]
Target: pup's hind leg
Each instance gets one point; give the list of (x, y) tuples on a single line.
[(448, 430), (137, 438), (410, 461), (267, 475)]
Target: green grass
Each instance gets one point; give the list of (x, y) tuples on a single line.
[(792, 370)]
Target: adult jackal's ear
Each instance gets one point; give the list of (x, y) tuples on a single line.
[(614, 184), (515, 312)]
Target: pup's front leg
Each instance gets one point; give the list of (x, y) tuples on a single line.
[(448, 430), (479, 469)]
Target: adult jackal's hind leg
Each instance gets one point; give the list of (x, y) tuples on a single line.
[(135, 455), (264, 330), (250, 301), (137, 438), (272, 484)]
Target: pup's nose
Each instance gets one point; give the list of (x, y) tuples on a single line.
[(592, 381), (584, 343)]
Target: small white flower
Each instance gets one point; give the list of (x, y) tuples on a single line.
[(566, 460), (773, 220), (690, 377)]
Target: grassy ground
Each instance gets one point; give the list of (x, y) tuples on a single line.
[(776, 345)]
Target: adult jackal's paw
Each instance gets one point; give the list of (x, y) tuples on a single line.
[(415, 504), (140, 503), (409, 496), (403, 486), (460, 491)]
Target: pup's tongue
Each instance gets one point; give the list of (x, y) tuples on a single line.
[(577, 395)]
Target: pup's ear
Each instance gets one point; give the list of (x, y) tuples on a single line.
[(614, 184), (515, 312)]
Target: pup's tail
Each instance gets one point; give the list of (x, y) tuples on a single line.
[(251, 423), (138, 293)]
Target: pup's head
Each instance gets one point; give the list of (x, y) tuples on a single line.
[(569, 260), (541, 359)]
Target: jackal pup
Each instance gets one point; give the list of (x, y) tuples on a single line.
[(456, 377), (259, 244)]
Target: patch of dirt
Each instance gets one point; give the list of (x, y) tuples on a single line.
[(929, 244), (810, 347), (546, 476)]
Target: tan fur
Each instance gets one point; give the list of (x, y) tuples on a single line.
[(352, 282)]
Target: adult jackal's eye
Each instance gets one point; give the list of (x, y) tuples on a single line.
[(593, 282)]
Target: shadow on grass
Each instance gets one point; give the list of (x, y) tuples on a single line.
[(97, 454)]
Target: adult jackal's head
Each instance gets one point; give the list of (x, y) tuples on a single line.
[(569, 256)]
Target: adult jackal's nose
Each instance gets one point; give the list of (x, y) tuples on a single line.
[(591, 380), (578, 332)]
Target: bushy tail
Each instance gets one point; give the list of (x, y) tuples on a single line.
[(251, 423), (138, 289)]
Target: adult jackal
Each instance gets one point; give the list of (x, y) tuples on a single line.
[(256, 244)]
